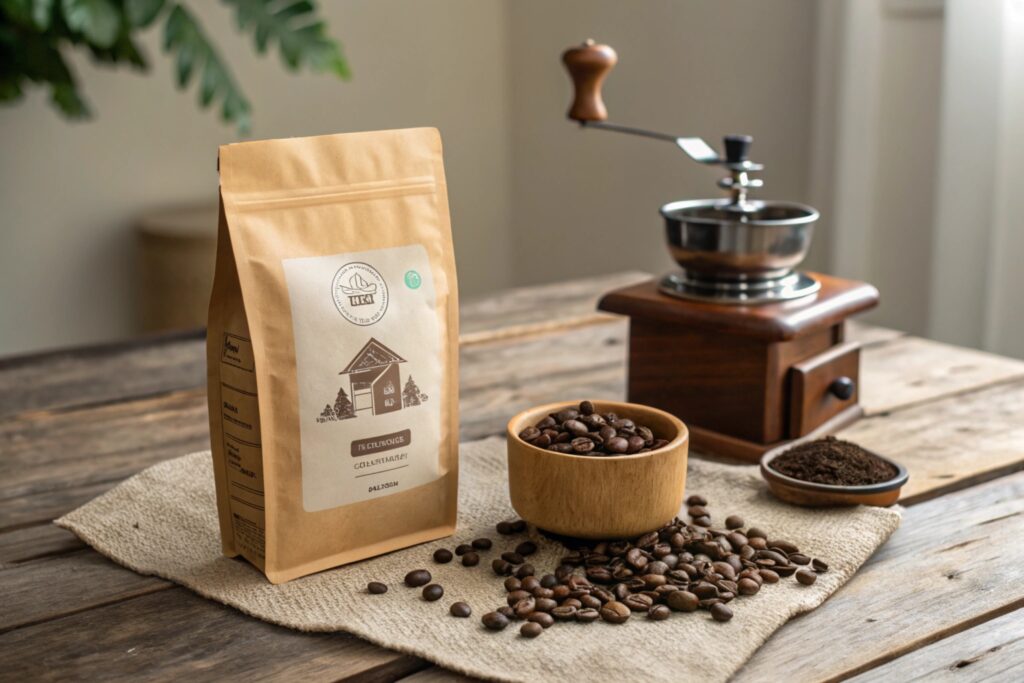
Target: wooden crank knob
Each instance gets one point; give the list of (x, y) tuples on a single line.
[(588, 64)]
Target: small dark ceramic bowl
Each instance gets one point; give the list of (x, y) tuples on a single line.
[(810, 494)]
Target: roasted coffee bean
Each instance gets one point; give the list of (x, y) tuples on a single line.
[(799, 558), (635, 443), (702, 521), (754, 532), (653, 581), (376, 587), (607, 433), (529, 583), (806, 576), (586, 408), (819, 566), (659, 613), (470, 559), (417, 578), (615, 612), (733, 522), (546, 604), (501, 567), (442, 555), (784, 546), (462, 549), (529, 434), (433, 592), (566, 414), (531, 629), (543, 441), (560, 592), (515, 596), (571, 602), (542, 592), (757, 542), (525, 607), (495, 621), (542, 618), (513, 584), (646, 434), (519, 526), (503, 528), (460, 609), (591, 601), (561, 613), (659, 443), (696, 500), (526, 548), (638, 602), (582, 445), (616, 445), (561, 447), (482, 543), (697, 511), (514, 558), (720, 612), (682, 601), (548, 580), (507, 612), (748, 586), (587, 615), (525, 570), (547, 422)]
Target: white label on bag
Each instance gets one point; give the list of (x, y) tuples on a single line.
[(367, 357)]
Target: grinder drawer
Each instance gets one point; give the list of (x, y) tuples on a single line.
[(822, 386)]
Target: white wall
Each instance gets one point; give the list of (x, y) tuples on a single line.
[(533, 198), (68, 193)]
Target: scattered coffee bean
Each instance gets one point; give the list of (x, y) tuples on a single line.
[(659, 613), (587, 615), (504, 528), (806, 576), (462, 549), (542, 618), (506, 612), (733, 522), (696, 500), (519, 526), (482, 543), (433, 592), (615, 612), (417, 578), (819, 566), (512, 558), (495, 621), (682, 601), (376, 587), (513, 584), (460, 609), (719, 612), (442, 556), (526, 548), (531, 629), (470, 559)]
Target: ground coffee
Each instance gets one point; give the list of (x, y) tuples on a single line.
[(833, 461)]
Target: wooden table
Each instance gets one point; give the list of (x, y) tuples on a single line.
[(942, 597)]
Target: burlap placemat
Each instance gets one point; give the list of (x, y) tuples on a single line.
[(163, 522)]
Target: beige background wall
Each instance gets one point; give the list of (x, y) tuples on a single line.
[(533, 198)]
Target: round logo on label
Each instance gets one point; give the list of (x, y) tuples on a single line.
[(360, 293)]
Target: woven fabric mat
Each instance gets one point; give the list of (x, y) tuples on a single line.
[(163, 522)]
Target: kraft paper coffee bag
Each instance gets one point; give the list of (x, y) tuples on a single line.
[(332, 350)]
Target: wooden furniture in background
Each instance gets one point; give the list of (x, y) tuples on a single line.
[(943, 595), (745, 378)]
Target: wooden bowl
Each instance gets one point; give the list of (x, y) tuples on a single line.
[(811, 494), (603, 497)]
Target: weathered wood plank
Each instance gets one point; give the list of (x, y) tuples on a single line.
[(951, 443), (953, 563), (33, 542), (993, 650), (910, 371), (870, 335), (98, 374), (71, 583), (175, 635)]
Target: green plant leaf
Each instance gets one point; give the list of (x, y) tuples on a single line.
[(293, 24), (98, 20), (42, 13), (67, 99), (142, 13), (193, 51)]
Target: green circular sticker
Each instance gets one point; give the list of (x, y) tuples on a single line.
[(413, 279)]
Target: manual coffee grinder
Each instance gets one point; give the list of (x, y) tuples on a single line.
[(748, 351)]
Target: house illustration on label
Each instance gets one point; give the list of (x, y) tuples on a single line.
[(374, 379)]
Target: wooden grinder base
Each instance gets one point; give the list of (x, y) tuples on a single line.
[(745, 379)]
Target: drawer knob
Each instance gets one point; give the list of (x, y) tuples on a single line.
[(842, 388)]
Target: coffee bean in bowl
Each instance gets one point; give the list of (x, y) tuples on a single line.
[(626, 442), (829, 472)]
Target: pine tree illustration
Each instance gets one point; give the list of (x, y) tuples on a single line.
[(343, 407), (411, 395), (328, 413)]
